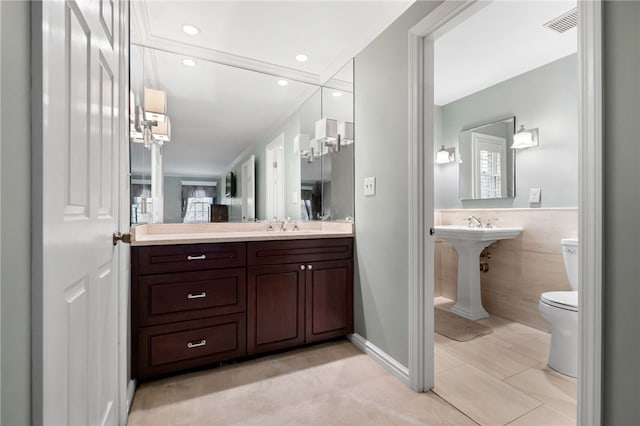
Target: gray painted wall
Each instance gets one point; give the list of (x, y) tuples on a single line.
[(544, 98), (15, 223), (621, 375), (382, 144)]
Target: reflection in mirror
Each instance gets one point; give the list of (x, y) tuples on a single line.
[(220, 117), (486, 162), (232, 127), (327, 175)]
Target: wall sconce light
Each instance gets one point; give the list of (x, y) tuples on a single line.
[(326, 135), (155, 104), (326, 130), (446, 155), (525, 138), (151, 124), (345, 130), (301, 144), (162, 131)]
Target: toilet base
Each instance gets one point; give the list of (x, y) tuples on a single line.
[(563, 352)]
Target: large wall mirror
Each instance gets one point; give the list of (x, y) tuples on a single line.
[(487, 161), (212, 142)]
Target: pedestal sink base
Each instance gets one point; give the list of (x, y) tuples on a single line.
[(469, 243), (476, 313)]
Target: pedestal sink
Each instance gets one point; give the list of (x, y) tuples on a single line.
[(469, 243)]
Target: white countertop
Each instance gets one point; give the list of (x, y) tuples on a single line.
[(220, 232)]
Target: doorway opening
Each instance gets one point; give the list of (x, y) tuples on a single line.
[(589, 190), (275, 178)]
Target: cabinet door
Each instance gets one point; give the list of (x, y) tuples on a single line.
[(329, 299), (275, 311)]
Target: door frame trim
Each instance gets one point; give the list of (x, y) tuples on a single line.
[(590, 212), (126, 386), (590, 204)]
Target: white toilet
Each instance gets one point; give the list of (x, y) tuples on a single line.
[(560, 308)]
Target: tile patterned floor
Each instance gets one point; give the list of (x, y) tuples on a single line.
[(503, 378), (497, 379)]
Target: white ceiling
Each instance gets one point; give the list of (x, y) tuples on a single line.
[(500, 41), (219, 110)]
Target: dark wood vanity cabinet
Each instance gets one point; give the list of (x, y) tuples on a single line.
[(188, 306), (299, 291), (197, 304), (275, 307), (329, 300)]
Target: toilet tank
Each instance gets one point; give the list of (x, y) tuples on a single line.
[(570, 257)]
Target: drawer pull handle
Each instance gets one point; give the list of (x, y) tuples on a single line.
[(196, 296), (302, 267), (196, 345), (310, 267), (201, 257)]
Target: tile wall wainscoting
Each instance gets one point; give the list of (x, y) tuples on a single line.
[(519, 269)]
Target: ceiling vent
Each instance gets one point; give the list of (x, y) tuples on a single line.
[(564, 22)]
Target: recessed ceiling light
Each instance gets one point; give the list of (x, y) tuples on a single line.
[(283, 82), (188, 62), (336, 94), (190, 29), (302, 57)]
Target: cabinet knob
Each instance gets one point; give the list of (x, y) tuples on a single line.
[(302, 267), (310, 267)]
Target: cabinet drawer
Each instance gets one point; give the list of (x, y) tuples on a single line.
[(295, 251), (189, 257), (173, 347), (190, 295)]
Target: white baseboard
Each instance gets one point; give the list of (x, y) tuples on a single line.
[(381, 357), (131, 390)]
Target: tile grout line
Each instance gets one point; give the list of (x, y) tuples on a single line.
[(456, 408), (519, 417)]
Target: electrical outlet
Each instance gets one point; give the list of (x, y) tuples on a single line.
[(370, 186), (294, 197), (534, 195)]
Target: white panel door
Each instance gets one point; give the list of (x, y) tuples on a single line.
[(81, 138), (275, 178), (248, 180)]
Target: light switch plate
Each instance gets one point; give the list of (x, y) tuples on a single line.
[(534, 195), (294, 197), (370, 186)]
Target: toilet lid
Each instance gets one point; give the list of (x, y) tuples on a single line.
[(567, 300)]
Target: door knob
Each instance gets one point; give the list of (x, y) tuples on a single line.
[(119, 236), (302, 267), (310, 267)]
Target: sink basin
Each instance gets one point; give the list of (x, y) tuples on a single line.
[(449, 232), (469, 243)]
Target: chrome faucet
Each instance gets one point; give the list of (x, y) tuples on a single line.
[(474, 222), (489, 223), (285, 222), (270, 228)]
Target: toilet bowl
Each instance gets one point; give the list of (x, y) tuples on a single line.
[(560, 309)]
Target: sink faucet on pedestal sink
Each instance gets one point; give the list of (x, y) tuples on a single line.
[(469, 243)]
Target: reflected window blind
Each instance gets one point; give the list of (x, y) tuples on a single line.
[(490, 174)]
